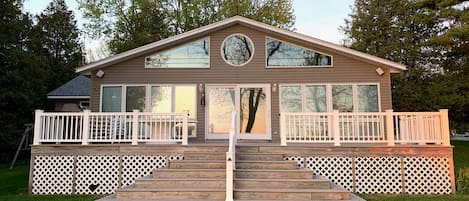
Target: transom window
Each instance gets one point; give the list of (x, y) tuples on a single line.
[(282, 54), (237, 50), (192, 55), (328, 97)]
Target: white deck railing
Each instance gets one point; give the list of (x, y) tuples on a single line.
[(231, 158), (106, 127), (378, 127)]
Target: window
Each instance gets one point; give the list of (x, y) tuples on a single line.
[(328, 97), (192, 55), (342, 98), (303, 98), (237, 50), (282, 54), (111, 99), (161, 99), (135, 98), (367, 98)]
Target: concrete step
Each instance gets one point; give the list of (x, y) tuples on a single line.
[(275, 165), (204, 155), (274, 174), (167, 183), (249, 183), (291, 194), (189, 173), (197, 164), (174, 193), (259, 156)]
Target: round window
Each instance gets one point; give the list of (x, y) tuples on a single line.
[(237, 49)]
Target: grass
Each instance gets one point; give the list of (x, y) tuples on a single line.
[(14, 184)]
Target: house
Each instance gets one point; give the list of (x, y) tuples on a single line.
[(240, 109), (73, 96)]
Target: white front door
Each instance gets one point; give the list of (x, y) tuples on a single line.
[(251, 103)]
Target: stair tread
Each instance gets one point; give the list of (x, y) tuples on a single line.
[(272, 170), (133, 189), (335, 190), (250, 161), (285, 180), (180, 179), (189, 170), (199, 161)]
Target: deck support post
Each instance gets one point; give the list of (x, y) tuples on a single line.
[(86, 127), (390, 128), (185, 129), (135, 127), (335, 127), (37, 126), (283, 130), (445, 138)]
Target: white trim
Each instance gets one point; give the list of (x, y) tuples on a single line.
[(235, 19), (68, 97), (172, 48), (236, 87), (223, 55), (300, 46)]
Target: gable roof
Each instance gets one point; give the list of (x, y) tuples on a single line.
[(395, 67), (77, 88)]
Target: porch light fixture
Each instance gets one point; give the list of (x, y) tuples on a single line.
[(100, 74), (380, 71), (274, 87)]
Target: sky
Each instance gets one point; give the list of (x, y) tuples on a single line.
[(317, 18)]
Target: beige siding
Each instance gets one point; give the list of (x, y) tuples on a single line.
[(345, 70)]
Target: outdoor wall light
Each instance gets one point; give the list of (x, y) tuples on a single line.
[(380, 71), (100, 74), (274, 87)]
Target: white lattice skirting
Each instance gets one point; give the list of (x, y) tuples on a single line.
[(412, 175), (92, 174)]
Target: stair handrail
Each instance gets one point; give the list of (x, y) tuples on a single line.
[(230, 158)]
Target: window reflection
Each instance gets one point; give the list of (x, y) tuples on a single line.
[(342, 98), (111, 99), (185, 100), (237, 50), (252, 110), (161, 99), (193, 55), (367, 98), (290, 99), (135, 98), (283, 54), (220, 106), (316, 98)]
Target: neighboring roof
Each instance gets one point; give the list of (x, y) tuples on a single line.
[(77, 88), (228, 22)]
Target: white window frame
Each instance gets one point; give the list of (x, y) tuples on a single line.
[(148, 97), (280, 67), (329, 93), (223, 56), (175, 47)]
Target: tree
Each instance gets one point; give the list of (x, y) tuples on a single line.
[(130, 24), (428, 37), (56, 40)]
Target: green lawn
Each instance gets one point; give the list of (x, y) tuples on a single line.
[(14, 184)]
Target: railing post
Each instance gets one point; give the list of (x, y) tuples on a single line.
[(444, 127), (37, 126), (86, 127), (185, 129), (229, 176), (390, 127), (135, 127), (283, 129), (335, 127)]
